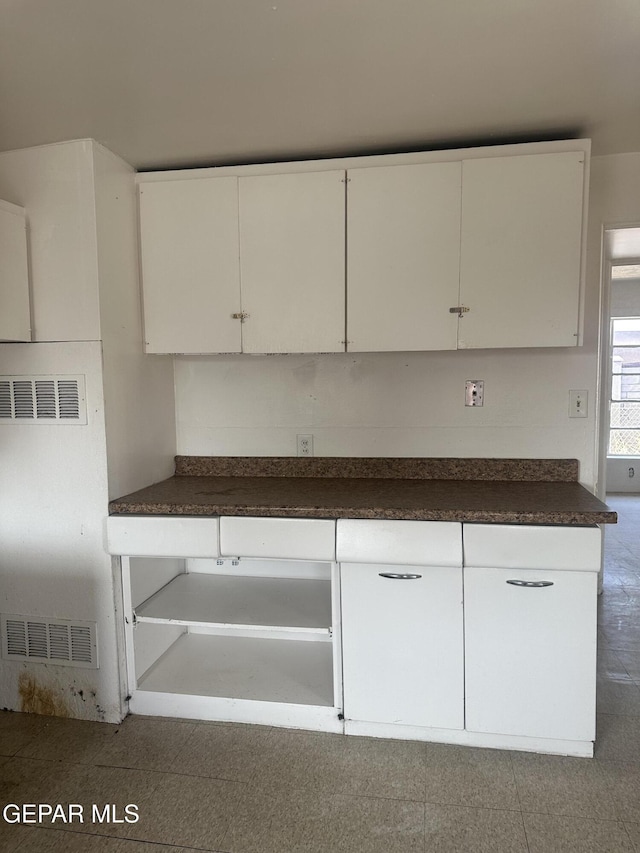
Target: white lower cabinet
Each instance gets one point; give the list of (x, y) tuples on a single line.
[(310, 628), (530, 652), (530, 598), (253, 640), (239, 640), (402, 641)]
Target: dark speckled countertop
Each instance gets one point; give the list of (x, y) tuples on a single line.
[(507, 491)]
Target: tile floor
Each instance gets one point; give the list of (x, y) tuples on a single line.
[(247, 789)]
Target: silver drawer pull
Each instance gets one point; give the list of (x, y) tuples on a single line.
[(532, 584), (398, 577)]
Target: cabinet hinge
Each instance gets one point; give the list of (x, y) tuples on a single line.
[(134, 619), (240, 315), (459, 310)]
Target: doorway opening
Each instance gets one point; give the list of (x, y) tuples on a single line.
[(620, 366)]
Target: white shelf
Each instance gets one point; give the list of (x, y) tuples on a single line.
[(205, 600), (285, 671)]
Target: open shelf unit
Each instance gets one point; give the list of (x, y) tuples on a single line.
[(244, 668), (206, 600), (235, 646)]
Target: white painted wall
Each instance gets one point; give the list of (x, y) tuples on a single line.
[(138, 388), (57, 480), (386, 404), (52, 557), (618, 479), (55, 185)]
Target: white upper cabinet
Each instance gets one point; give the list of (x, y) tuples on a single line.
[(251, 264), (292, 261), (482, 252), (403, 237), (15, 316), (521, 250), (190, 266)]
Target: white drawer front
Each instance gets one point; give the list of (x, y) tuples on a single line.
[(161, 536), (279, 538), (500, 546), (407, 543)]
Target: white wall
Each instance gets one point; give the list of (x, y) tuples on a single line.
[(52, 557), (386, 404), (618, 479), (55, 185), (138, 388), (57, 480)]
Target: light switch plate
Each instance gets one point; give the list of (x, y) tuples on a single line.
[(578, 404)]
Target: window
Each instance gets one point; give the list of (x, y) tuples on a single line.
[(625, 271), (624, 434)]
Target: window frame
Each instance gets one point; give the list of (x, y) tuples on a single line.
[(613, 399)]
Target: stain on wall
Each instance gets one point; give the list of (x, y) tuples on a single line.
[(38, 699)]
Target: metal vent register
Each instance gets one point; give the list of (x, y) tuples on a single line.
[(60, 642), (43, 399)]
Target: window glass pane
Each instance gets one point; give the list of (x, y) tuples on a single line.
[(624, 433), (626, 331), (627, 358), (625, 386), (625, 271), (625, 415), (624, 442)]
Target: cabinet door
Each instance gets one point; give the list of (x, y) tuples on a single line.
[(15, 317), (521, 250), (530, 653), (403, 250), (402, 642), (292, 262), (190, 266)]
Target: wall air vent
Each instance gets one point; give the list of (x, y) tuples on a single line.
[(43, 399), (48, 641)]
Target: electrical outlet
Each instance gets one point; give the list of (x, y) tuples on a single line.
[(474, 392), (578, 404), (305, 445)]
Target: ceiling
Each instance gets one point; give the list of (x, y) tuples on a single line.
[(171, 83)]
